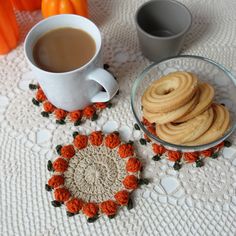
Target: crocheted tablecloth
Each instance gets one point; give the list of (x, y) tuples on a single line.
[(193, 201)]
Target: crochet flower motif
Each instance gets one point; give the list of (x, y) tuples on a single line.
[(77, 117), (177, 157), (95, 175)]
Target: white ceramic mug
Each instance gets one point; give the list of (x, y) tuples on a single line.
[(80, 87)]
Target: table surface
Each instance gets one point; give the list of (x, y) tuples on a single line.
[(193, 201)]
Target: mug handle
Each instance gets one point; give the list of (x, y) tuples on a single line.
[(107, 81)]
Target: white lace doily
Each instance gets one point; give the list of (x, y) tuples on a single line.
[(193, 201)]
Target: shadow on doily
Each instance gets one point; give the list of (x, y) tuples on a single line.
[(100, 11), (199, 27)]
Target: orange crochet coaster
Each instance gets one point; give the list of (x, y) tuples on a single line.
[(95, 175), (179, 158), (61, 116)]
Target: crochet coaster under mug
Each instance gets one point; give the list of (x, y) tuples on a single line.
[(95, 175), (61, 116)]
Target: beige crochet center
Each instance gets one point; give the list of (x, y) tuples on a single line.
[(95, 174)]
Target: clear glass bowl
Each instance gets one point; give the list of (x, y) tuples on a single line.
[(207, 70)]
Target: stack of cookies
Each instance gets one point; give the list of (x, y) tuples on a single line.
[(181, 107)]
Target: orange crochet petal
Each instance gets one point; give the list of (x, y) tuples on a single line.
[(112, 140), (61, 194), (158, 149), (126, 150), (48, 107), (133, 165), (90, 209), (130, 182), (122, 197), (174, 156), (109, 207), (60, 165), (74, 205), (89, 111), (191, 157), (55, 181), (81, 141), (40, 96), (60, 114), (207, 153), (68, 151), (96, 138)]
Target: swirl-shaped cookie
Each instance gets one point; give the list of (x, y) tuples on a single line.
[(170, 92), (166, 117), (219, 126), (206, 96), (188, 131)]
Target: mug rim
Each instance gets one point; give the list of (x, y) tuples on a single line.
[(49, 19), (182, 32)]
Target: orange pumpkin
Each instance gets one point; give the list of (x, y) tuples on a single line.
[(9, 32), (27, 5), (55, 7)]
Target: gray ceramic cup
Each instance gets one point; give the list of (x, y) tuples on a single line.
[(161, 27)]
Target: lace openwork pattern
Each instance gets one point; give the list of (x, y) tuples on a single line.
[(193, 201)]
